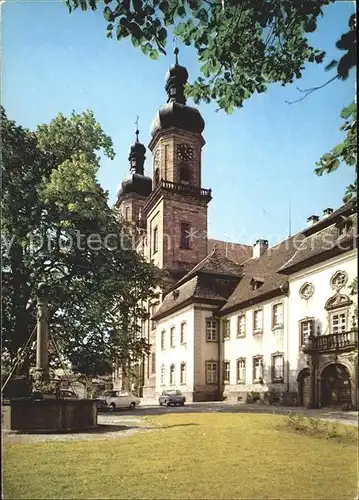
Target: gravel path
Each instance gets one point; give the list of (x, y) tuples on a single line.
[(119, 425), (115, 427)]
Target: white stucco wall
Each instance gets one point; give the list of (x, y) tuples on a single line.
[(269, 342), (319, 276), (180, 353), (204, 351)]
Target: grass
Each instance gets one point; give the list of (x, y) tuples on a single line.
[(200, 456)]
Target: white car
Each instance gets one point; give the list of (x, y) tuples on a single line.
[(120, 399)]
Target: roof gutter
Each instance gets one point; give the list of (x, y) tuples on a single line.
[(282, 290), (186, 303), (326, 254)]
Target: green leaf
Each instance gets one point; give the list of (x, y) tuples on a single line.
[(203, 16), (153, 54), (137, 5), (348, 111), (162, 34), (107, 13), (135, 41), (331, 65)]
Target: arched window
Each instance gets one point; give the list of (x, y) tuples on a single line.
[(185, 174)]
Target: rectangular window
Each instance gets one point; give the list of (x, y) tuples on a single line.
[(153, 362), (172, 336), (185, 235), (258, 321), (226, 372), (183, 332), (226, 325), (172, 374), (155, 239), (211, 330), (183, 374), (163, 340), (241, 326), (306, 329), (257, 369), (277, 367), (338, 322), (163, 372), (241, 371), (277, 316), (211, 372), (127, 213)]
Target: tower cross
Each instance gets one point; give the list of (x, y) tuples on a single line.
[(136, 123)]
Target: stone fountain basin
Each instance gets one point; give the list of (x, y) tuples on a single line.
[(49, 415)]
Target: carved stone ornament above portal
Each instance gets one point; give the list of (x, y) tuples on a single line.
[(338, 280), (339, 300), (306, 291)]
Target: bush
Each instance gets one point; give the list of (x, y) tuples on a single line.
[(315, 426), (253, 397)]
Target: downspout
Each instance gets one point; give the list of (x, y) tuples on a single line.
[(219, 360), (287, 340)]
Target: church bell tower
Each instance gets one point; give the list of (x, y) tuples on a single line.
[(176, 210)]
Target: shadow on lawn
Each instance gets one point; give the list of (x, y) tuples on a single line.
[(177, 425)]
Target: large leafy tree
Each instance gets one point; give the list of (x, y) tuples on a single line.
[(345, 152), (242, 45), (59, 229)]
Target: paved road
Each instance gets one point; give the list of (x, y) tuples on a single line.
[(150, 408), (124, 423)]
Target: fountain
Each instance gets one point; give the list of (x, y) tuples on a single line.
[(49, 414)]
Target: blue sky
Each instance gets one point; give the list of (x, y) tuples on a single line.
[(257, 160)]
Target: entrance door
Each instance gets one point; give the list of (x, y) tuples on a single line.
[(304, 387), (336, 388)]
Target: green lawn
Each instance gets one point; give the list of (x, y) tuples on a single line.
[(199, 456)]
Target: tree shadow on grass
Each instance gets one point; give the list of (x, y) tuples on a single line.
[(176, 425)]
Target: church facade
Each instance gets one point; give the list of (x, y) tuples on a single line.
[(237, 322)]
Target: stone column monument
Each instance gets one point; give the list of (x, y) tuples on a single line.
[(42, 339)]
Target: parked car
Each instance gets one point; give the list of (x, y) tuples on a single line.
[(67, 394), (171, 397), (117, 399)]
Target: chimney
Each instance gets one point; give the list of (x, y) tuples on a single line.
[(327, 211), (313, 219), (259, 247)]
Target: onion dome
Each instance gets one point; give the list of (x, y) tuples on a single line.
[(136, 182), (137, 156), (175, 113)]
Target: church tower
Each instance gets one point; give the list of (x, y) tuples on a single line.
[(176, 210), (135, 188)]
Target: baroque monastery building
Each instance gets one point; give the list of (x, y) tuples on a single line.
[(238, 322)]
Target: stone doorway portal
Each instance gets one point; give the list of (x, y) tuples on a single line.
[(304, 387), (336, 386)]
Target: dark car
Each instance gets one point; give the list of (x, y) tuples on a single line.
[(67, 394), (171, 397)]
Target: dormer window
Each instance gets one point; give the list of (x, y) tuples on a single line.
[(256, 282)]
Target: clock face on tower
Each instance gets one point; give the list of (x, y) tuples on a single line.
[(184, 152)]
